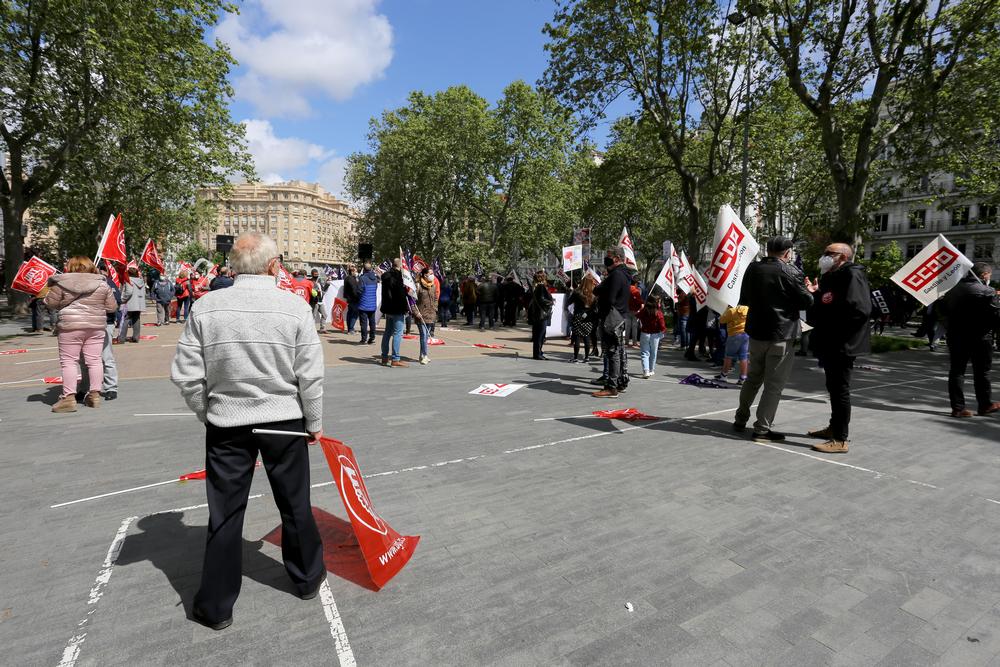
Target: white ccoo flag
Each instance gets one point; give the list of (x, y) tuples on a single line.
[(935, 270), (666, 280), (625, 241), (733, 250)]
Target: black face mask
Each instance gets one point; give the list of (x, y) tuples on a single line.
[(609, 262)]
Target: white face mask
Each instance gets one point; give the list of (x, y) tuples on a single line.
[(826, 263)]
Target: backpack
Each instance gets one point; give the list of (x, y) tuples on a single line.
[(178, 289)]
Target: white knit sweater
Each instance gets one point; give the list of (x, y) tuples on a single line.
[(249, 355)]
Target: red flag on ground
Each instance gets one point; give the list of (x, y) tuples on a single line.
[(20, 351), (112, 245), (337, 314), (628, 414), (53, 380), (151, 257), (491, 346), (32, 276), (385, 550), (435, 341)]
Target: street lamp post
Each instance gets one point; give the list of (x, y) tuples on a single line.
[(754, 10)]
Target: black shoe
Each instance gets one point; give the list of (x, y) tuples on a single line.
[(110, 395), (371, 341), (200, 618), (769, 436), (543, 357), (600, 382), (738, 427), (314, 592)]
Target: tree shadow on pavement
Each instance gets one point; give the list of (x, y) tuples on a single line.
[(176, 549)]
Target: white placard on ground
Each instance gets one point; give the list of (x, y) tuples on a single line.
[(496, 389)]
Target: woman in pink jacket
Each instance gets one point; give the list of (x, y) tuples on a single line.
[(83, 299)]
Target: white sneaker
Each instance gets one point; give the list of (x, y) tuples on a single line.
[(424, 361), (646, 375), (652, 373)]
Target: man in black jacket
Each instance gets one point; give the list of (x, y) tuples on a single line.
[(972, 310), (352, 295), (842, 304), (612, 307), (395, 307), (775, 292)]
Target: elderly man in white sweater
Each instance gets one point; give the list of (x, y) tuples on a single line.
[(249, 358)]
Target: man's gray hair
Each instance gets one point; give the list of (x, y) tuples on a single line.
[(252, 252), (619, 252)]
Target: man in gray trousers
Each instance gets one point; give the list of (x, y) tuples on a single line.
[(775, 292), (250, 358)]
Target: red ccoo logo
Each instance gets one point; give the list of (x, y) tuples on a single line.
[(930, 269), (724, 259), (355, 495)]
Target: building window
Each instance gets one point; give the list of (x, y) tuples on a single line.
[(960, 245), (987, 214), (881, 222), (959, 216), (983, 251), (918, 219), (913, 248)]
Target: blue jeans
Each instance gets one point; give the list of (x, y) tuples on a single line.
[(394, 330), (425, 334), (649, 345), (681, 331), (352, 317)]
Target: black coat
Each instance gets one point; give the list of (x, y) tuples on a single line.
[(613, 292), (971, 309), (775, 293), (840, 313), (394, 294), (352, 290)]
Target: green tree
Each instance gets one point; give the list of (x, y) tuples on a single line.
[(92, 91), (676, 60), (864, 70), (885, 261)]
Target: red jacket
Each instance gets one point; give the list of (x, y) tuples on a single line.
[(634, 299), (651, 321), (303, 287)]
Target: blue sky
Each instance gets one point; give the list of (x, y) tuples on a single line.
[(313, 72)]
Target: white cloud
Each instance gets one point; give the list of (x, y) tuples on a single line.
[(294, 49), (331, 175), (274, 155)]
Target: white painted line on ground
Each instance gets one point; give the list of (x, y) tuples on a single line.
[(820, 458), (114, 493), (23, 381), (343, 647), (163, 414), (34, 361), (72, 650)]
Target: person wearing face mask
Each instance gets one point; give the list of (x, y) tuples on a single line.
[(842, 305), (774, 292), (425, 311), (972, 310)]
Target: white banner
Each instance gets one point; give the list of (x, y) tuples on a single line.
[(935, 270), (733, 250), (500, 390), (336, 291), (696, 285), (625, 241), (666, 280), (682, 269), (572, 257)]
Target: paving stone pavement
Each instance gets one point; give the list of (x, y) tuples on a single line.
[(535, 535)]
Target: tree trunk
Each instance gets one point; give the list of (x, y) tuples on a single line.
[(849, 218), (13, 247)]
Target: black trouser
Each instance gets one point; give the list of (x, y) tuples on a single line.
[(470, 313), (980, 353), (614, 357), (838, 367), (367, 325), (538, 338), (577, 338), (487, 313), (230, 457)]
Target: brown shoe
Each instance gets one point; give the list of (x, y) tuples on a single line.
[(399, 364), (92, 399), (832, 447), (993, 407), (65, 404), (606, 393), (824, 433), (961, 413)]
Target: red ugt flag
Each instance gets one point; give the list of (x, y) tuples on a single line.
[(112, 244), (32, 276), (151, 257), (385, 550)]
